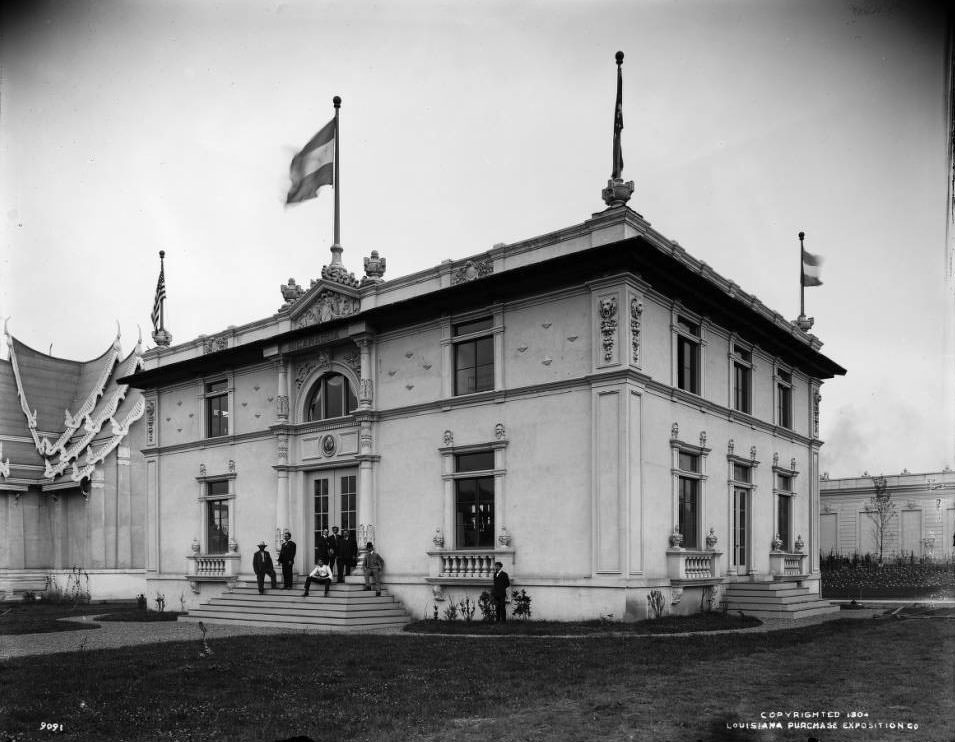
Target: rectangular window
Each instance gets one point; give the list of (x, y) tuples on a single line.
[(473, 357), (784, 399), (783, 521), (740, 523), (320, 502), (784, 482), (347, 494), (742, 380), (217, 408), (689, 462), (742, 473), (689, 512), (688, 356), (217, 518), (474, 502)]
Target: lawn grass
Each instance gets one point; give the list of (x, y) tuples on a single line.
[(43, 617), (664, 625), (406, 687)]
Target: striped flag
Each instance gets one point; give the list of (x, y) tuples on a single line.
[(617, 171), (314, 166), (160, 297), (810, 269)]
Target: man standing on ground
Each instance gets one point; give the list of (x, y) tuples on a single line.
[(373, 566), (262, 566), (499, 593), (286, 558)]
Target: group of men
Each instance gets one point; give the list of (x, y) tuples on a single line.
[(332, 550)]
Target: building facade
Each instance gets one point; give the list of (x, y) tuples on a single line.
[(72, 496), (921, 524), (604, 414)]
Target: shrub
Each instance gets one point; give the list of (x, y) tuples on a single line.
[(522, 604), (486, 604), (467, 609), (451, 612)]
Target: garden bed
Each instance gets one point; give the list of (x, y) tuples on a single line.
[(665, 625), (902, 578)]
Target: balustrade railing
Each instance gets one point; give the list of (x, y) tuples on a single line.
[(467, 564), (787, 564), (691, 564), (213, 566)]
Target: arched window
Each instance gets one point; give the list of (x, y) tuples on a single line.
[(332, 396)]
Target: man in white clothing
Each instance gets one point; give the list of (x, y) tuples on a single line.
[(322, 573)]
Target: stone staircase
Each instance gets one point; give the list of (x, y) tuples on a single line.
[(348, 607), (775, 599)]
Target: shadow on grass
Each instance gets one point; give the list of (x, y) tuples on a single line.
[(391, 688), (665, 625), (43, 617)]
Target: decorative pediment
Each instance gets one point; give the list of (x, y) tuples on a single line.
[(324, 304)]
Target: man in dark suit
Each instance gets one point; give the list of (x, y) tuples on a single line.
[(347, 551), (286, 559), (333, 549), (321, 546), (374, 564), (262, 566), (499, 593)]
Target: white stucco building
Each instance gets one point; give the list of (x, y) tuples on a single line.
[(923, 523), (593, 407)]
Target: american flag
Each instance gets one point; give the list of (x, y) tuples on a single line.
[(160, 296)]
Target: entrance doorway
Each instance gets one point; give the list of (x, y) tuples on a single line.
[(741, 530), (334, 495)]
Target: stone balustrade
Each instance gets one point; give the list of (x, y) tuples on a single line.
[(213, 566), (691, 564), (787, 564), (449, 566)]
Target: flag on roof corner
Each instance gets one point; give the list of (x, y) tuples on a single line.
[(314, 166), (160, 297), (811, 269)]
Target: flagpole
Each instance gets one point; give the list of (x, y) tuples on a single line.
[(162, 302), (337, 102), (802, 283)]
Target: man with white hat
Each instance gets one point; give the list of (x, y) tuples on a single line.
[(262, 566)]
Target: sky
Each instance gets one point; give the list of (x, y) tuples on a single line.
[(132, 127)]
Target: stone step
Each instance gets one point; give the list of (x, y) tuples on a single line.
[(767, 585), (311, 600), (770, 600), (806, 611), (302, 626), (737, 591), (323, 609), (348, 607), (318, 617)]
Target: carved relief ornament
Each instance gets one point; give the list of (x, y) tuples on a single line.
[(636, 314), (472, 270), (608, 325), (327, 306)]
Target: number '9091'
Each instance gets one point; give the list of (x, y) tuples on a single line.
[(47, 726)]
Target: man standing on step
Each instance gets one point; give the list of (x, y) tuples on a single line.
[(373, 566), (348, 550), (262, 566), (334, 544), (286, 558), (322, 573)]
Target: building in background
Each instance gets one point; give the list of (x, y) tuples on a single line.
[(923, 523), (71, 473)]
